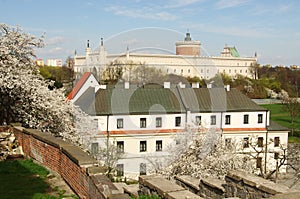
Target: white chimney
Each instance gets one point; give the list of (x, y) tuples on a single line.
[(195, 85), (167, 85), (181, 85), (102, 87), (126, 85), (227, 87)]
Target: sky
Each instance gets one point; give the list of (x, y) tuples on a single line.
[(271, 28)]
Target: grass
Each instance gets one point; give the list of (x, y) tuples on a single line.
[(24, 179), (280, 115)]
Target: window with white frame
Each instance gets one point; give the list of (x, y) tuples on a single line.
[(227, 119), (213, 120), (120, 169), (120, 146), (276, 141), (143, 146), (143, 169), (260, 118), (260, 141), (198, 120), (94, 148), (246, 142), (177, 121), (158, 145), (158, 122), (120, 123), (143, 122), (246, 119), (258, 162)]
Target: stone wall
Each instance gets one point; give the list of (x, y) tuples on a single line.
[(237, 184), (206, 188), (243, 185), (76, 167), (157, 185)]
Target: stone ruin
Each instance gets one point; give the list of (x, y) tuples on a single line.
[(9, 146)]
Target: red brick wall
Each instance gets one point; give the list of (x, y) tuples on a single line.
[(52, 156)]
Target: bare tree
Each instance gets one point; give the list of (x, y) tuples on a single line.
[(293, 107)]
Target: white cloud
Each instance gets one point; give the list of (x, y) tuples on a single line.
[(144, 13), (223, 4), (261, 9), (55, 50), (182, 3), (55, 40), (232, 30)]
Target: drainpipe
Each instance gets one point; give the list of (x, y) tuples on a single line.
[(107, 140), (266, 147)]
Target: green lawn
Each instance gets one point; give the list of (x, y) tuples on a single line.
[(24, 179), (280, 115)]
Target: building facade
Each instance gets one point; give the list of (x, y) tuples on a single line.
[(185, 62), (143, 122)]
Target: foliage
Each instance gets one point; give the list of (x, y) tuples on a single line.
[(203, 153), (24, 95)]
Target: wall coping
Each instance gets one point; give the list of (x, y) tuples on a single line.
[(258, 182), (78, 156), (215, 183), (191, 181)]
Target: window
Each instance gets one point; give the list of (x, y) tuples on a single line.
[(177, 121), (213, 120), (143, 146), (246, 119), (94, 148), (189, 70), (181, 70), (227, 119), (246, 142), (228, 142), (198, 120), (260, 118), (260, 141), (143, 122), (258, 162), (158, 122), (143, 169), (119, 123), (276, 155), (276, 141), (120, 169), (120, 146), (158, 145)]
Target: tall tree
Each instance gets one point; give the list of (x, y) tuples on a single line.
[(24, 95)]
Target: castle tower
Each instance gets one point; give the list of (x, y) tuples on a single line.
[(188, 46)]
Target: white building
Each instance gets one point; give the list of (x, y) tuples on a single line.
[(186, 62), (143, 121), (54, 62)]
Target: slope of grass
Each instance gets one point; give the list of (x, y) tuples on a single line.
[(22, 179), (27, 180), (280, 115)]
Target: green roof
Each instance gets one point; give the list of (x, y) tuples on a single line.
[(234, 52), (276, 127), (137, 101), (147, 100), (217, 99)]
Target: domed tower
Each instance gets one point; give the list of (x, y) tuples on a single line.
[(188, 46)]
